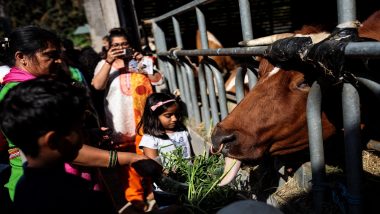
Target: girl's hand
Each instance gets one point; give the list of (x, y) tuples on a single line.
[(137, 56), (113, 54)]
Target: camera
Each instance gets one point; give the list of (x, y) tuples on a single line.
[(128, 53)]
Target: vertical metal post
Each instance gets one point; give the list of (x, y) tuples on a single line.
[(202, 28), (346, 10), (252, 78), (159, 37), (351, 122), (193, 93), (186, 89), (177, 32), (211, 93), (203, 72), (353, 150), (245, 17), (218, 77), (181, 84), (317, 160), (239, 85), (204, 97), (171, 75)]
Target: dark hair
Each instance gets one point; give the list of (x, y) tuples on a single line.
[(103, 52), (35, 107), (149, 123), (88, 59), (29, 40), (118, 32)]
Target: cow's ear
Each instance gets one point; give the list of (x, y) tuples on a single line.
[(257, 58)]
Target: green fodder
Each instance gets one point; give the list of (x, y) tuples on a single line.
[(202, 174)]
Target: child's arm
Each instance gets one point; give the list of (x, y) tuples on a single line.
[(94, 157)]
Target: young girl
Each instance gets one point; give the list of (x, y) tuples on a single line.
[(162, 128)]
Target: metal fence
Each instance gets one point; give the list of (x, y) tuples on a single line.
[(209, 104)]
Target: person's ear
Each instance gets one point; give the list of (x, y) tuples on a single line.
[(51, 139), (20, 57)]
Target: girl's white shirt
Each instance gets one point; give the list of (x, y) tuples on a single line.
[(4, 70), (179, 139)]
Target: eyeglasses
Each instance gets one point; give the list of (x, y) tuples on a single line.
[(115, 45)]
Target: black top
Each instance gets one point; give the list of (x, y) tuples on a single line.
[(52, 190)]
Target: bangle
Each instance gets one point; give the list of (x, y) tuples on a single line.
[(113, 159), (110, 63)]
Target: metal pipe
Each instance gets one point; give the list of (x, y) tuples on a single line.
[(252, 78), (180, 81), (172, 77), (180, 10), (202, 28), (243, 51), (204, 97), (186, 89), (177, 32), (218, 77), (346, 11), (245, 17), (371, 85), (353, 49), (193, 93), (353, 150), (211, 93), (159, 37), (239, 85), (317, 160), (363, 49)]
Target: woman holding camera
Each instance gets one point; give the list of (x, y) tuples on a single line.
[(127, 77)]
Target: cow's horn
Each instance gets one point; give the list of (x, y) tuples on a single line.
[(267, 40), (231, 168)]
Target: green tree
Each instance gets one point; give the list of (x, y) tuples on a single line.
[(60, 16)]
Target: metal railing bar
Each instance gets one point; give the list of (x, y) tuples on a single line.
[(353, 49), (180, 10)]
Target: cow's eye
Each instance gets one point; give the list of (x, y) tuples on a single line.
[(302, 85)]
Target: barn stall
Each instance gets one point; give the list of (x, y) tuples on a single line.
[(207, 102)]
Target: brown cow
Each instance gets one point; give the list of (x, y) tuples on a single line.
[(226, 64), (271, 119)]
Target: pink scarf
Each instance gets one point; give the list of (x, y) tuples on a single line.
[(17, 75)]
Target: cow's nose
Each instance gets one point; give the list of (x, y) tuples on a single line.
[(221, 137)]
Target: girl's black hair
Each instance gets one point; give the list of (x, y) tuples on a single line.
[(150, 124), (118, 32), (29, 40)]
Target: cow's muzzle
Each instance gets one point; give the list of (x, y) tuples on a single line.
[(220, 140)]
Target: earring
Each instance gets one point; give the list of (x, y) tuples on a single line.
[(23, 62)]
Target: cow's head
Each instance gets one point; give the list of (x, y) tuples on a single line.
[(270, 120)]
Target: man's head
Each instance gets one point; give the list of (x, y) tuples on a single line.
[(44, 114)]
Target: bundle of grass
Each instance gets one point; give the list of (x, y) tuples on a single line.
[(197, 182)]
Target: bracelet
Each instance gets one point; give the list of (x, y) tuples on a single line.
[(110, 63), (113, 159)]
